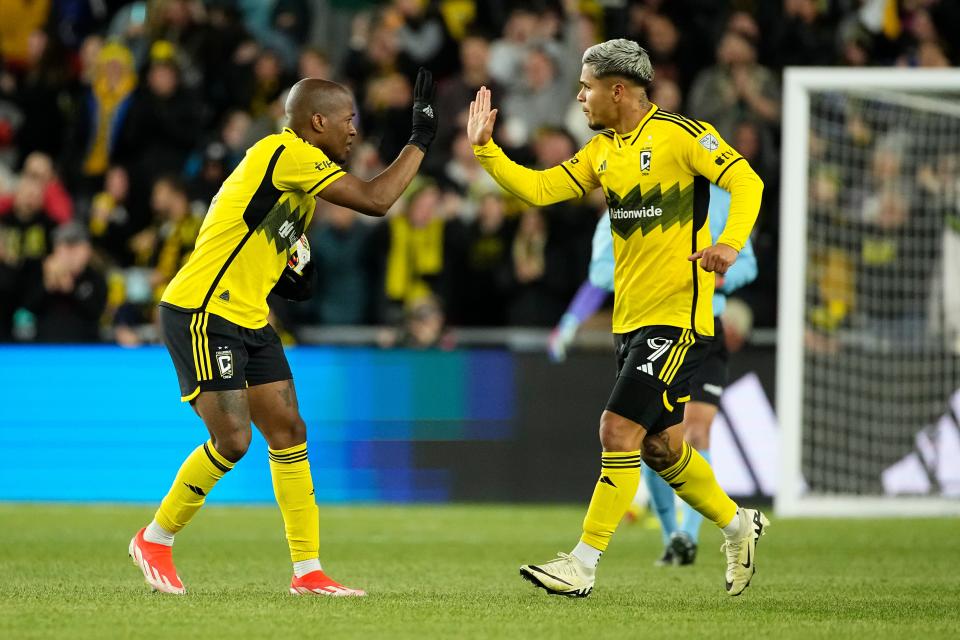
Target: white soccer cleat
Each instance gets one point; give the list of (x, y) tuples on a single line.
[(564, 576), (742, 552)]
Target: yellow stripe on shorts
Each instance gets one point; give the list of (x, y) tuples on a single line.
[(666, 402), (671, 355), (688, 341), (195, 347), (206, 345)]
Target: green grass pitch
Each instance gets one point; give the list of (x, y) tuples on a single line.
[(451, 572)]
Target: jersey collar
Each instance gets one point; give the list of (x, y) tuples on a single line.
[(631, 138)]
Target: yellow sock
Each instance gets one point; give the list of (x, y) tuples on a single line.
[(619, 479), (693, 480), (293, 487), (196, 477)]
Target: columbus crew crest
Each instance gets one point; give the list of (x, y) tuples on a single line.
[(645, 157), (225, 362)]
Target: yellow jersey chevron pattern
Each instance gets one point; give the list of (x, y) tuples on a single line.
[(656, 179), (246, 237)]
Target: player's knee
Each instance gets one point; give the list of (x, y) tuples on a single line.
[(286, 431), (697, 420), (698, 435), (297, 430), (233, 445), (618, 433)]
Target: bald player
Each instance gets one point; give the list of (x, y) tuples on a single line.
[(213, 316)]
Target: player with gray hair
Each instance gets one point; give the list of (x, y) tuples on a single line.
[(655, 168), (620, 57)]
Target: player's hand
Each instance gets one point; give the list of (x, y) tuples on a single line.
[(561, 337), (716, 258), (481, 118), (424, 114)]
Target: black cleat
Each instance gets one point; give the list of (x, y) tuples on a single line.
[(683, 547), (666, 560)]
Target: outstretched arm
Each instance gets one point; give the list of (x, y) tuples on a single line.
[(374, 197), (571, 179)]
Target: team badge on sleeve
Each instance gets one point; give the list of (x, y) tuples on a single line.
[(710, 142)]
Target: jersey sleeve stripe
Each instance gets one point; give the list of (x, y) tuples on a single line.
[(582, 190), (324, 179), (699, 128), (717, 182), (683, 126)]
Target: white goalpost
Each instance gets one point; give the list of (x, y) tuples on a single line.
[(868, 337)]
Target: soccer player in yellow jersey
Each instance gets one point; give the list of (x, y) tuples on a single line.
[(213, 316), (655, 168)]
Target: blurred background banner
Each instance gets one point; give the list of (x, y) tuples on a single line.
[(76, 419), (383, 426)]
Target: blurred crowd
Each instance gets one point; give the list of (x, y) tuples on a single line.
[(119, 121), (883, 217)]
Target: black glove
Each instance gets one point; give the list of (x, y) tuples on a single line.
[(294, 286), (298, 277), (424, 114)]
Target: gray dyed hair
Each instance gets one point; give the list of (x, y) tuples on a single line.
[(620, 57)]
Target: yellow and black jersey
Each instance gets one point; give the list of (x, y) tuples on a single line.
[(656, 181), (248, 234)]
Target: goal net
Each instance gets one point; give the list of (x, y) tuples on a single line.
[(868, 367)]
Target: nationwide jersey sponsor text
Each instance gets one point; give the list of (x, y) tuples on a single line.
[(632, 214)]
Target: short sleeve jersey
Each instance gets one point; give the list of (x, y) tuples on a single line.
[(250, 229)]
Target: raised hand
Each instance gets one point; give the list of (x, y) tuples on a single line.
[(481, 118), (424, 112)]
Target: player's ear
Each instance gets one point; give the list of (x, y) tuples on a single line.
[(618, 91), (319, 122)]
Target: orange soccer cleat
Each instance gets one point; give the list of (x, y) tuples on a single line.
[(156, 563), (317, 583)]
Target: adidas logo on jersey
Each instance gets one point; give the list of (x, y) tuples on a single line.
[(225, 296), (647, 368)]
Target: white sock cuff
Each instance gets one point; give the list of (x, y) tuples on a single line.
[(303, 567), (586, 554), (732, 529), (157, 534)]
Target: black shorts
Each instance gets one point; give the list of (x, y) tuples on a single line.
[(709, 380), (213, 354), (654, 367)]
